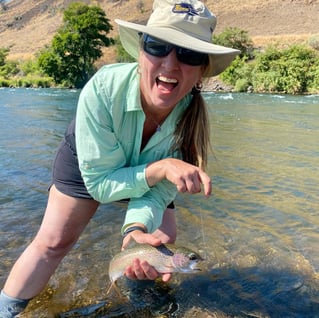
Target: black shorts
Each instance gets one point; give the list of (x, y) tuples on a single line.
[(66, 175)]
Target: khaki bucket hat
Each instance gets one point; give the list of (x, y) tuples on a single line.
[(188, 24)]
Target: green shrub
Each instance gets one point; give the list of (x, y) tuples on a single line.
[(266, 82), (242, 85), (239, 69), (237, 39), (10, 68), (3, 56), (4, 82), (314, 85), (30, 67), (289, 71), (314, 42), (121, 55)]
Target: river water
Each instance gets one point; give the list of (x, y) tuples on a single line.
[(259, 231)]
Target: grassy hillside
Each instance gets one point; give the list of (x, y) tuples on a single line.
[(27, 25)]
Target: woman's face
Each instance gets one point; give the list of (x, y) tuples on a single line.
[(165, 80)]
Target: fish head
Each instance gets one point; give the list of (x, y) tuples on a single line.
[(187, 261)]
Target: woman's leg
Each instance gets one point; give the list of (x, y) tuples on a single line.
[(64, 220)]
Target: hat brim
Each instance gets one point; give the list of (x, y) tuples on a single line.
[(219, 56)]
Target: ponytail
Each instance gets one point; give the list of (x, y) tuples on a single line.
[(192, 134)]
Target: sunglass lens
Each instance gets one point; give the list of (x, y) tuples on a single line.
[(191, 57), (156, 47), (159, 48)]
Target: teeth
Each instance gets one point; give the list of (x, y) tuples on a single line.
[(167, 80)]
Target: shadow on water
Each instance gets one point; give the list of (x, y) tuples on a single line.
[(242, 292)]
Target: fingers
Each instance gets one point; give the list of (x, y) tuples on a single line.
[(166, 277), (141, 270), (207, 184), (186, 177), (189, 183), (194, 182)]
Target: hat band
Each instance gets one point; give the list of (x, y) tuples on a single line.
[(189, 30)]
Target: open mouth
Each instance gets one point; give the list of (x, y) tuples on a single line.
[(196, 268), (165, 83)]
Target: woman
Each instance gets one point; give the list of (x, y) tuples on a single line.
[(141, 133)]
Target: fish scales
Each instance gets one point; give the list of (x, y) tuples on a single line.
[(166, 258)]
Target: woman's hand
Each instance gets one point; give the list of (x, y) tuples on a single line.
[(142, 270), (186, 177)]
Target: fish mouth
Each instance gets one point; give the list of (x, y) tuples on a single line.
[(191, 270), (195, 267)]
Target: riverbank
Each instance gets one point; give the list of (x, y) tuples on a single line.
[(213, 84), (209, 85), (27, 26)]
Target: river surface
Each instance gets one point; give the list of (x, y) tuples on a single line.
[(259, 231)]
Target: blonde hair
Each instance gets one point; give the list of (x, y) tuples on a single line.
[(192, 134)]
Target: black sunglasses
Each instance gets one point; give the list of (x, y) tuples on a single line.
[(158, 48)]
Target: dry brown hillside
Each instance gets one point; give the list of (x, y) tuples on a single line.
[(27, 25)]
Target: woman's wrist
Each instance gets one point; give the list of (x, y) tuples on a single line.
[(134, 227), (154, 173)]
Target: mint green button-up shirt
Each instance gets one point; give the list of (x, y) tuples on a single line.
[(109, 128)]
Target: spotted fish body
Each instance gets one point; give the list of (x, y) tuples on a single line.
[(166, 258)]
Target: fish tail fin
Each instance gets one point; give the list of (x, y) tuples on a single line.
[(115, 287), (112, 285)]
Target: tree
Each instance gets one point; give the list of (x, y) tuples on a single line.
[(3, 55), (237, 39), (77, 45), (7, 67)]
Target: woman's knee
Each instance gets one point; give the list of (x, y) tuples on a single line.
[(64, 220), (52, 246)]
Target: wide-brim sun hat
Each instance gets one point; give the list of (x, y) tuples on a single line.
[(188, 24)]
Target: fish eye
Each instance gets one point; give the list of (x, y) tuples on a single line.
[(192, 256)]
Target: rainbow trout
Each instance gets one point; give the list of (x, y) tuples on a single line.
[(166, 258)]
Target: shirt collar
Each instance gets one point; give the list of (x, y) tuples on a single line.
[(133, 93)]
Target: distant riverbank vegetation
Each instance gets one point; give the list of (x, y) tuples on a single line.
[(290, 69), (70, 59)]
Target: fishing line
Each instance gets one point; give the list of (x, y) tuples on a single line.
[(205, 247)]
